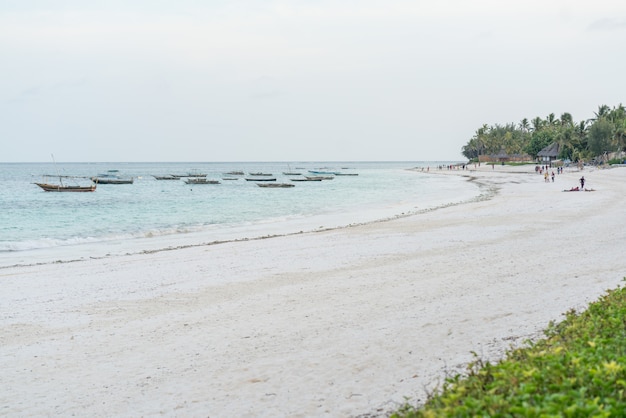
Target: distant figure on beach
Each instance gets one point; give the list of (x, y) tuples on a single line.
[(552, 176), (582, 182)]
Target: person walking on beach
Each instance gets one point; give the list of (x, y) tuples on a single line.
[(582, 182), (553, 176)]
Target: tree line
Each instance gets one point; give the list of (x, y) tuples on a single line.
[(578, 141)]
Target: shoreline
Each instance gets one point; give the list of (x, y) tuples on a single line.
[(339, 322), (261, 231)]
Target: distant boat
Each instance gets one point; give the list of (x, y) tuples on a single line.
[(260, 174), (167, 177), (64, 187), (320, 177), (275, 185), (306, 179), (191, 173), (291, 173), (200, 180), (262, 179), (347, 174), (112, 177), (235, 173), (334, 173)]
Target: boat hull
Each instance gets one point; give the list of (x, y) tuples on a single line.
[(275, 185), (201, 181), (104, 180), (58, 188)]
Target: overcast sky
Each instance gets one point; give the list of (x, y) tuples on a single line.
[(302, 80)]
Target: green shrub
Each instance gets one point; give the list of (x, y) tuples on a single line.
[(578, 370)]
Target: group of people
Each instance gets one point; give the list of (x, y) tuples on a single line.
[(547, 174), (539, 169)]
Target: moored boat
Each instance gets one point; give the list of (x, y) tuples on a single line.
[(64, 187), (334, 173), (320, 177), (166, 177), (200, 180), (112, 177), (190, 173), (261, 179), (275, 185)]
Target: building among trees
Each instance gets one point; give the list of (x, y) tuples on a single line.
[(549, 153)]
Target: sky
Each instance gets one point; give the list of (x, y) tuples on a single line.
[(301, 80)]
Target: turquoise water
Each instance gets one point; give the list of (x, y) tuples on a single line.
[(36, 226)]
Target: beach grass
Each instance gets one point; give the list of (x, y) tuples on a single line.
[(578, 369)]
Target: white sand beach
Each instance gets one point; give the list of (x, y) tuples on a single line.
[(336, 323)]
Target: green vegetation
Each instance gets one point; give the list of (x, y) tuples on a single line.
[(578, 370), (583, 140)]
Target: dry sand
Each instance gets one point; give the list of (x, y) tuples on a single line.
[(336, 323)]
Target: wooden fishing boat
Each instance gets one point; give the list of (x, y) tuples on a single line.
[(320, 177), (112, 177), (65, 187), (167, 177), (291, 173), (275, 185), (190, 173), (334, 173), (200, 180)]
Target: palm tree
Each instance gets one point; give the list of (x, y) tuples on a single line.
[(617, 113), (603, 111), (537, 123), (620, 135), (566, 119), (565, 140), (551, 120), (524, 125)]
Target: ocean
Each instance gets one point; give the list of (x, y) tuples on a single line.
[(150, 215)]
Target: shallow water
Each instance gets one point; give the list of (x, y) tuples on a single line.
[(37, 226)]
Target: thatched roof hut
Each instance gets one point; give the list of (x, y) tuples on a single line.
[(549, 153)]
